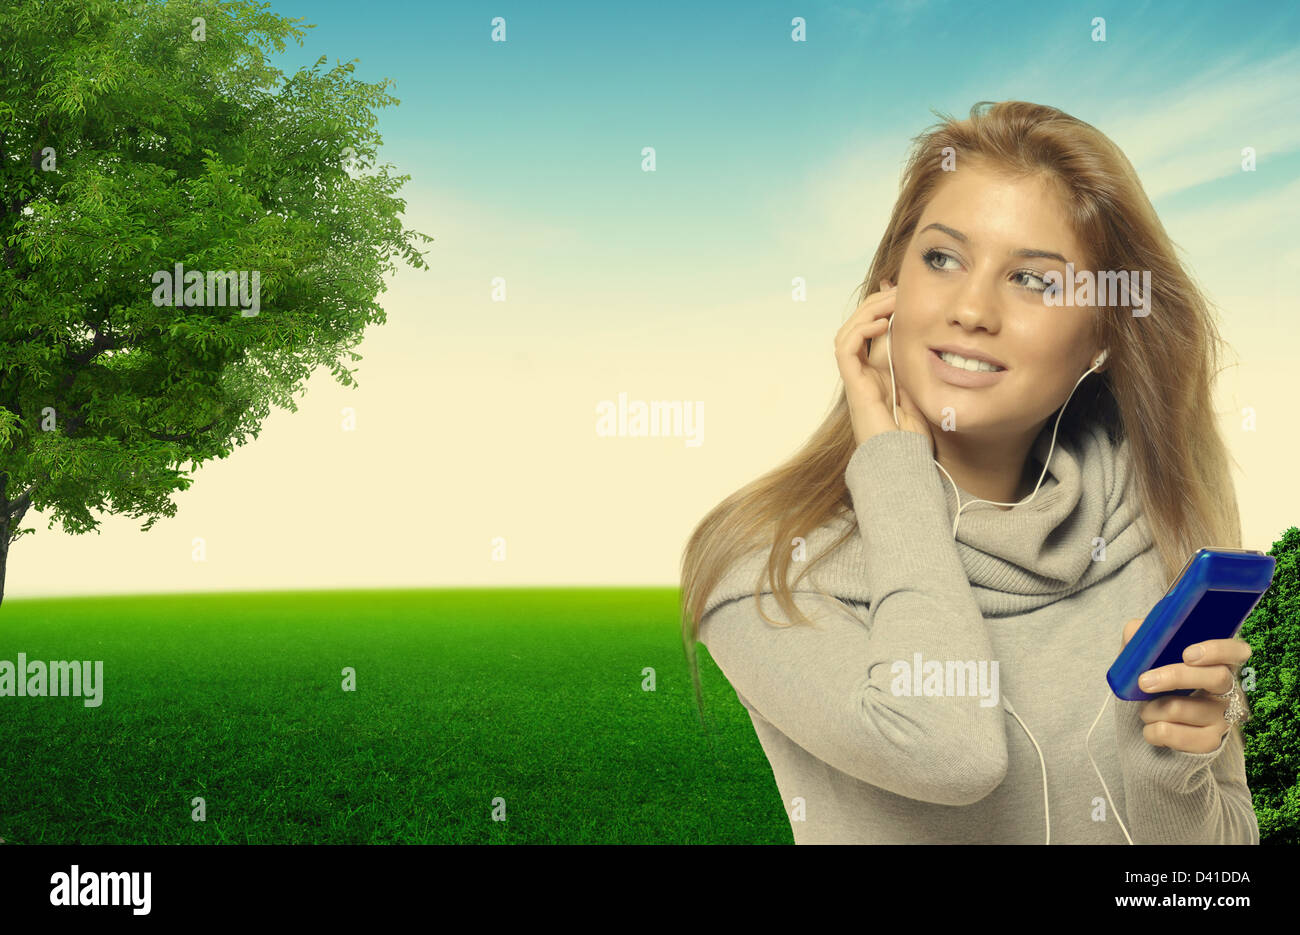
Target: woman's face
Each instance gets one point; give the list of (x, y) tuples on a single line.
[(963, 284)]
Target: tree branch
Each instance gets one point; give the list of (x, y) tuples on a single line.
[(103, 341), (11, 511), (17, 508)]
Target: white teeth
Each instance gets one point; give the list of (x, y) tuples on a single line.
[(964, 363)]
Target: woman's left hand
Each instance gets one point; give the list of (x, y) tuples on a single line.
[(1190, 723)]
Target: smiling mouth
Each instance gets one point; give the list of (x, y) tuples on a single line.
[(970, 365)]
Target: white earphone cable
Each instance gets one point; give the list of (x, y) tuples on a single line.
[(1113, 810), (1100, 359), (961, 506)]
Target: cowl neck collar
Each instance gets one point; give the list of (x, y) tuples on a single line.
[(1082, 525)]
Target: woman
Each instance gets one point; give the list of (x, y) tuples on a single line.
[(954, 632)]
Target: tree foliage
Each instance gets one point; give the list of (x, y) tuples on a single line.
[(135, 135), (1272, 735)]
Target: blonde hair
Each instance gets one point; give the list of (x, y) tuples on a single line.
[(1179, 459)]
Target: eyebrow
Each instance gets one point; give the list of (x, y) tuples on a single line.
[(1023, 251)]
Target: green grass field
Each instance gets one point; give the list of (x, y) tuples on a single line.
[(461, 696)]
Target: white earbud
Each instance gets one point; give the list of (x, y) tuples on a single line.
[(1100, 359)]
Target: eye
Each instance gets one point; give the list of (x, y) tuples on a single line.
[(929, 256), (1042, 283)]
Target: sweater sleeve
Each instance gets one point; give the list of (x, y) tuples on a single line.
[(1174, 797), (838, 689)]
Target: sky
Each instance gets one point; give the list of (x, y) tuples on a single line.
[(562, 275)]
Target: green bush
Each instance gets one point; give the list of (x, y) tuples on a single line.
[(1272, 734)]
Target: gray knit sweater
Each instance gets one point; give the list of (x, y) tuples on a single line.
[(868, 745)]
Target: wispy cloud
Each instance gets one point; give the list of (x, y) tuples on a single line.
[(1177, 139), (1183, 136), (897, 14)]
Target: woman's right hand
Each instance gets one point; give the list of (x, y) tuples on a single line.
[(867, 386)]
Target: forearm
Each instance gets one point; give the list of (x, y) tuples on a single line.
[(1174, 797)]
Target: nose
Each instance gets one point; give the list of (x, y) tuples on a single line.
[(974, 303)]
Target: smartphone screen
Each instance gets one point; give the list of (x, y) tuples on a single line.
[(1205, 622)]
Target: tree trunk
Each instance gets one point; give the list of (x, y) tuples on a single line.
[(4, 554), (11, 517)]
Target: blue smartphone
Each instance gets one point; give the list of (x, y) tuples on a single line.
[(1214, 594)]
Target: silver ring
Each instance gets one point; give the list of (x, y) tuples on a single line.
[(1236, 712)]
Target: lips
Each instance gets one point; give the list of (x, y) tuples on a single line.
[(969, 353), (960, 376)]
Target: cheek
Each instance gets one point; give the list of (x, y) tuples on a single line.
[(909, 360)]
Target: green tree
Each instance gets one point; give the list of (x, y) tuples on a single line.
[(1272, 735), (136, 135)]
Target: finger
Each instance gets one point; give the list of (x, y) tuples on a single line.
[(881, 348), (1130, 628), (849, 344), (1184, 738), (876, 305), (1216, 678), (866, 326), (860, 330), (1192, 710), (1217, 652)]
